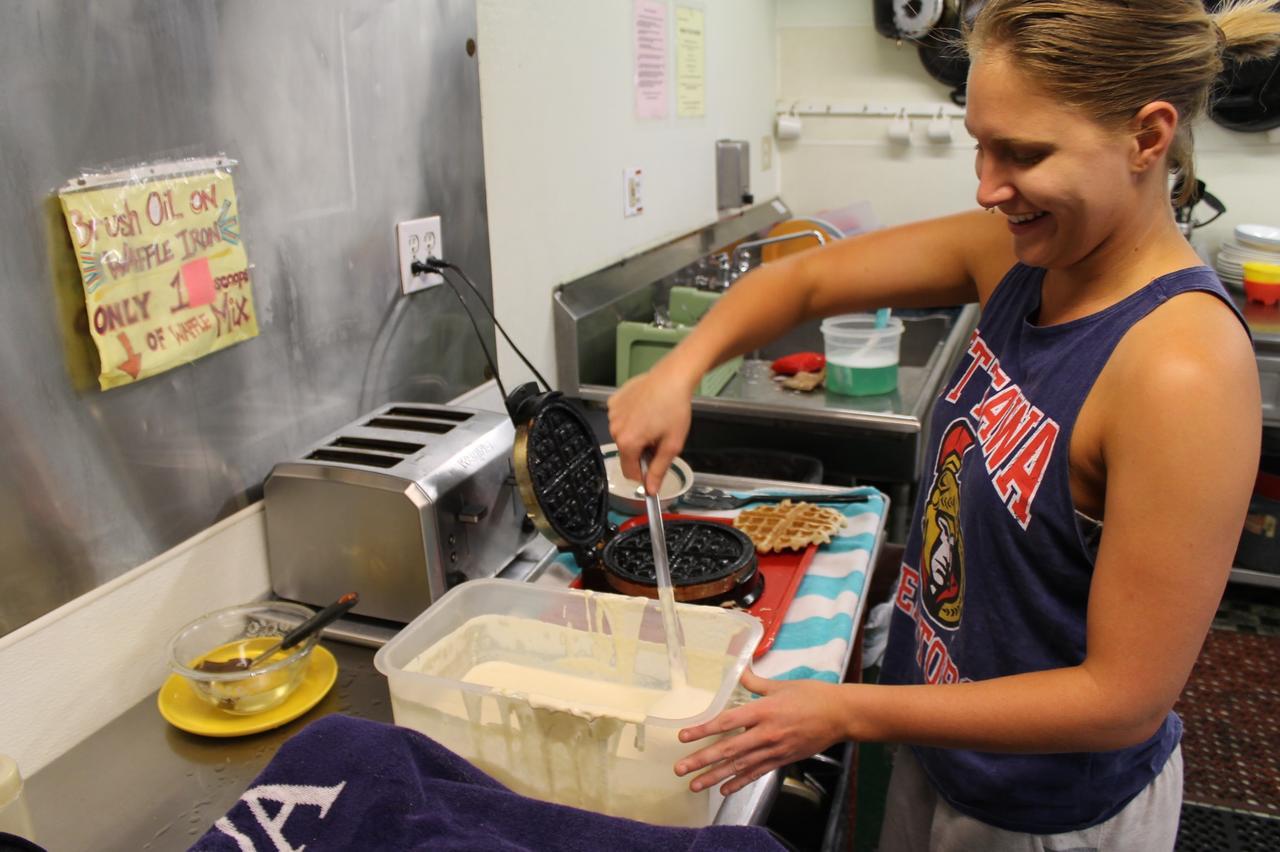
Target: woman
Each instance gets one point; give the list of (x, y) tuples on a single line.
[(1093, 455)]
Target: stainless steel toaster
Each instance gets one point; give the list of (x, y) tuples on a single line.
[(399, 506)]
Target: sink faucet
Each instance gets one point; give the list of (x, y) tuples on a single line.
[(725, 266), (742, 260)]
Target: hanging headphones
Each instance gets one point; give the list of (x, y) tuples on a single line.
[(915, 18), (906, 19), (936, 28)]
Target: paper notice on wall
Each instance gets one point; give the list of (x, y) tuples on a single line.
[(691, 62), (166, 279), (651, 58)]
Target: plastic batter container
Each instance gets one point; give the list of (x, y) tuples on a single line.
[(597, 756)]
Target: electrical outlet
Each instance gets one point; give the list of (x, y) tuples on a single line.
[(418, 239), (632, 185)]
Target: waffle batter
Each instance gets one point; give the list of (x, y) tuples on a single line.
[(581, 696)]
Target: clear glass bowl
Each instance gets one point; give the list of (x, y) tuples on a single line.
[(245, 630)]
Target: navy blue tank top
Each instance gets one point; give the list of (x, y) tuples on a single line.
[(996, 572)]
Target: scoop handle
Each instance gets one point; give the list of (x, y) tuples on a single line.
[(319, 620)]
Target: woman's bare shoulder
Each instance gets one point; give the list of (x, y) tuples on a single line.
[(1192, 353), (1196, 326)]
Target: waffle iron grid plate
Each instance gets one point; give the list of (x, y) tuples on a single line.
[(707, 558), (568, 477)]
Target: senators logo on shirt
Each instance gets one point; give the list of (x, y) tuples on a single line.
[(942, 552)]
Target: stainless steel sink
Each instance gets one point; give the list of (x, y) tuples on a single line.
[(931, 341), (873, 438)]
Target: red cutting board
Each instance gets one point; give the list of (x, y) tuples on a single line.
[(782, 575)]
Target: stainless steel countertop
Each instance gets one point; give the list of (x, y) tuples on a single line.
[(138, 783), (141, 784)]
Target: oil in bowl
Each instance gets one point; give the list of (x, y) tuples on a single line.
[(243, 632)]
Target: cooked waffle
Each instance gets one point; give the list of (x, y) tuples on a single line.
[(789, 526)]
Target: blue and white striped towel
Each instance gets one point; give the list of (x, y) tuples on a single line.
[(818, 629)]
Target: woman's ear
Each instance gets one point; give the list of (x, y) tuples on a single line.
[(1153, 128)]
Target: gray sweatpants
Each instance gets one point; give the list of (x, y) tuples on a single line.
[(917, 819)]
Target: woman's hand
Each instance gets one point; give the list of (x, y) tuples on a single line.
[(793, 719), (651, 411)]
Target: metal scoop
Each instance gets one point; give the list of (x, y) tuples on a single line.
[(662, 568), (288, 640), (657, 532)]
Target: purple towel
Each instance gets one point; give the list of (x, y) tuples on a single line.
[(344, 783)]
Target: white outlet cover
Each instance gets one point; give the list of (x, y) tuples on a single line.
[(632, 185), (418, 239)]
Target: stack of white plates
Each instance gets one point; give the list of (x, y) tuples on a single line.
[(1251, 242)]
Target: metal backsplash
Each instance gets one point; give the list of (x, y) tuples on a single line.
[(345, 116)]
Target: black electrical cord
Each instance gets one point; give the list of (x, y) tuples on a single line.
[(479, 297), (435, 264), (417, 268)]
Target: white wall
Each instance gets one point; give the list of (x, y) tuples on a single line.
[(560, 130), (828, 50)]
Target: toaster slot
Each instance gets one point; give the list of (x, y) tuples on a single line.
[(350, 457), (406, 424), (404, 448), (434, 413)]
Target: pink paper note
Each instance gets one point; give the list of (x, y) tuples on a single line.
[(198, 281), (651, 58)]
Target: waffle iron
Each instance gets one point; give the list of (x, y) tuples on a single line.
[(561, 476)]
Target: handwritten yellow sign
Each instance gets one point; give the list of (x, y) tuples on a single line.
[(166, 278), (691, 63)]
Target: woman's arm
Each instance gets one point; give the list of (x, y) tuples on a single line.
[(932, 263), (948, 261)]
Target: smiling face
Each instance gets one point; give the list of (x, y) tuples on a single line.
[(1064, 181)]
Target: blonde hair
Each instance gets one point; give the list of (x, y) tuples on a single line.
[(1110, 58)]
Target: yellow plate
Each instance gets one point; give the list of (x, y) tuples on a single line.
[(182, 708)]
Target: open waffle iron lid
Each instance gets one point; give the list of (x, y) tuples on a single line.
[(560, 472)]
